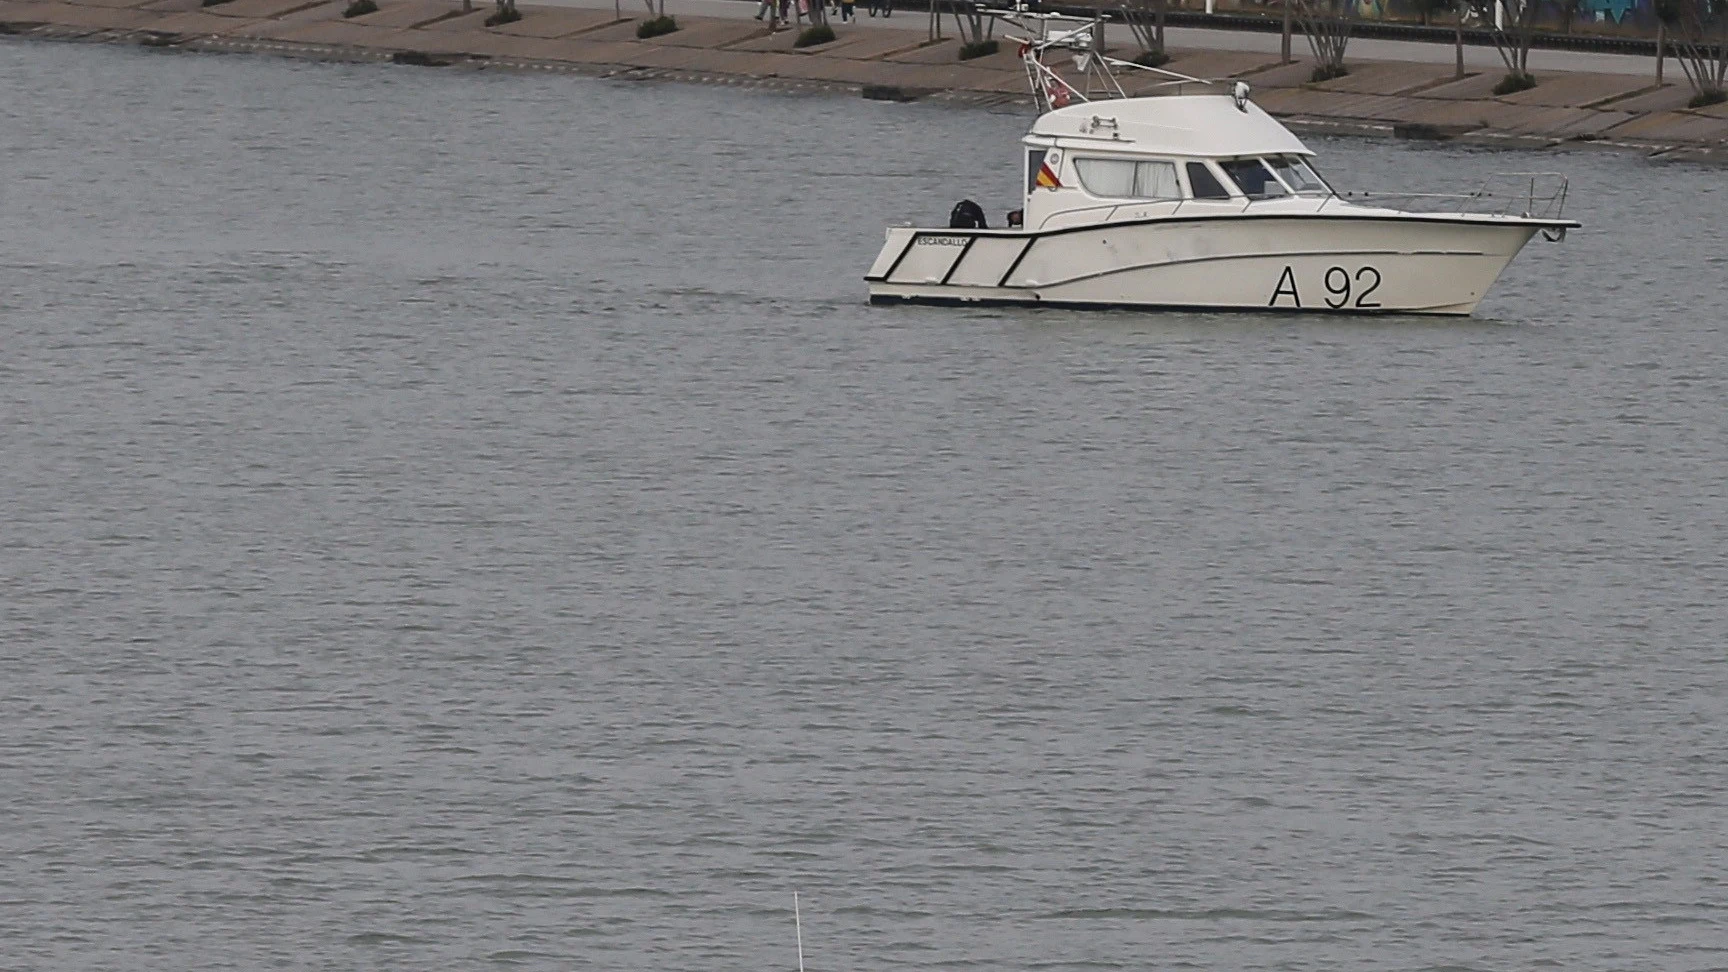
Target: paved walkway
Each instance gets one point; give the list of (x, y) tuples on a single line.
[(1200, 38), (1416, 91)]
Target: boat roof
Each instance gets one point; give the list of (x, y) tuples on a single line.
[(1206, 125)]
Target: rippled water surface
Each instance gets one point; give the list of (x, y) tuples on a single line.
[(471, 521)]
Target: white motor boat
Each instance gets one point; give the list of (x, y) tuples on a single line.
[(1204, 201)]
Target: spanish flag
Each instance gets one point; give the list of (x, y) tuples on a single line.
[(1047, 177)]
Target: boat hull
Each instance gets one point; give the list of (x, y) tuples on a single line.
[(1343, 264)]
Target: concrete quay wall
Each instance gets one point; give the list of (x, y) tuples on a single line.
[(1378, 97)]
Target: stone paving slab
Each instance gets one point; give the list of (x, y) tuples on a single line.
[(257, 9), (415, 13), (1304, 101), (1674, 126), (106, 3), (1403, 108), (877, 44), (585, 51), (199, 22), (481, 42), (1390, 78), (1475, 87), (1578, 90), (1450, 112), (473, 20), (335, 32), (625, 31), (1014, 84), (661, 56), (1292, 75), (708, 33), (18, 12), (321, 11), (93, 18), (1595, 122), (835, 70), (1376, 107), (1670, 97), (939, 77), (536, 48), (1212, 65), (273, 28), (780, 41), (556, 22), (941, 52), (734, 62), (1559, 122)]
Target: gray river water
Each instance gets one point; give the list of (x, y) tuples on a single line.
[(461, 521)]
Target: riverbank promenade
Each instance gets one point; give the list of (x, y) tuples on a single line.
[(1399, 88)]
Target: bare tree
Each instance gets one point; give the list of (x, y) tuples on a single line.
[(1513, 29), (1145, 20), (1327, 25), (1698, 31), (1435, 8)]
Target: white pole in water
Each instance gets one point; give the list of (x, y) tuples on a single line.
[(798, 923)]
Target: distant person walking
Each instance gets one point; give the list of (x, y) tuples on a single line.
[(886, 6), (766, 8), (848, 11)]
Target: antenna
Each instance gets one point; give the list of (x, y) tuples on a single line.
[(798, 923)]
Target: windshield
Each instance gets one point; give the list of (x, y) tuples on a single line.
[(1253, 178), (1298, 175)]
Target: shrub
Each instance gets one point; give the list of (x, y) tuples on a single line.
[(980, 49), (508, 15), (359, 8), (656, 26), (1704, 99), (819, 34), (1327, 72), (1513, 83), (1152, 58)]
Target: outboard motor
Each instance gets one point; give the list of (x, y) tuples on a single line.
[(967, 215)]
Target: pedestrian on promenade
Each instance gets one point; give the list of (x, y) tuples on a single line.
[(785, 10), (766, 8), (848, 11), (886, 6)]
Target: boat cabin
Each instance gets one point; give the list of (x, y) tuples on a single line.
[(1101, 161)]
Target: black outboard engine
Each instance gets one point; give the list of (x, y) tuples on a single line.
[(967, 215)]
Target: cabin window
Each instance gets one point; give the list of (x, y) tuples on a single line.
[(1125, 179), (1204, 184), (1255, 180), (1034, 160), (1298, 174)]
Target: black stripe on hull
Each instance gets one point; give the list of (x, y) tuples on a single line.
[(891, 299)]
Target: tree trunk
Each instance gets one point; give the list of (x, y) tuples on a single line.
[(1661, 51), (1284, 43), (1458, 41)]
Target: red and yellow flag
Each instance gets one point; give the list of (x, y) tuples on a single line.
[(1047, 178)]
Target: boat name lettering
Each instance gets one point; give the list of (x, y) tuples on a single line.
[(1340, 284), (941, 241)]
